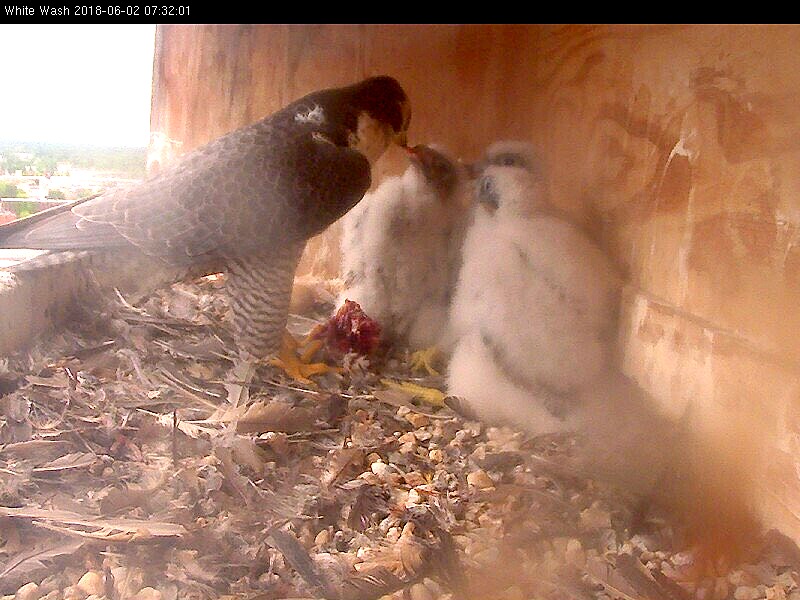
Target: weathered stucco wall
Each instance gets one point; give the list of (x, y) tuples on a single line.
[(679, 145), (682, 143)]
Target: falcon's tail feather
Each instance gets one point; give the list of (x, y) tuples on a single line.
[(8, 231), (48, 259), (59, 228)]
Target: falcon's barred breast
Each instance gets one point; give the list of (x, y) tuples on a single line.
[(245, 203)]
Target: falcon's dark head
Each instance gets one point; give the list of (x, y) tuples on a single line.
[(438, 169), (379, 113)]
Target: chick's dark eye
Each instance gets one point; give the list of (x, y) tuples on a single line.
[(508, 161)]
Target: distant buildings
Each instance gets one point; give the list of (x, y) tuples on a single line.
[(46, 176)]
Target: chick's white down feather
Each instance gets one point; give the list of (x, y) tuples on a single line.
[(533, 308), (400, 251), (533, 317)]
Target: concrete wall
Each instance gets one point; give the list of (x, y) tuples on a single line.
[(678, 145)]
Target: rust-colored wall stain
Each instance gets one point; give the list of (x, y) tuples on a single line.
[(675, 186), (742, 133)]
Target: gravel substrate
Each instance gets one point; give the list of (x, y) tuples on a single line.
[(125, 472)]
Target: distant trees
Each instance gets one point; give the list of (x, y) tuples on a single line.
[(129, 162), (25, 209), (56, 195), (44, 165), (9, 190), (12, 163)]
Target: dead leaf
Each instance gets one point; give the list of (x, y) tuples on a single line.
[(98, 528), (76, 460), (369, 501), (375, 582), (605, 574), (275, 416), (394, 397), (340, 459), (119, 499), (246, 452), (299, 559), (58, 380), (36, 449), (34, 559)]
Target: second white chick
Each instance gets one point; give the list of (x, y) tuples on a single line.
[(401, 248), (533, 313), (533, 316)]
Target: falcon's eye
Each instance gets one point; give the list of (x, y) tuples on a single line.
[(508, 161)]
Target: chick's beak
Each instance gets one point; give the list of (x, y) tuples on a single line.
[(418, 155), (487, 194)]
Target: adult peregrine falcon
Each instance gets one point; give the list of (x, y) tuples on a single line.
[(244, 204)]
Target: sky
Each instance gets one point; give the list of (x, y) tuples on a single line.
[(83, 84)]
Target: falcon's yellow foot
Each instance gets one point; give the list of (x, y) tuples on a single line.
[(425, 359), (429, 395), (299, 366)]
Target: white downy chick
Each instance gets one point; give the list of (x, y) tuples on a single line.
[(401, 248), (533, 318), (535, 302)]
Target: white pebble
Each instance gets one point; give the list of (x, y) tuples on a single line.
[(775, 592), (322, 538), (436, 455), (382, 470), (92, 583), (414, 498), (147, 593), (29, 591), (418, 591), (595, 517), (479, 479), (71, 592)]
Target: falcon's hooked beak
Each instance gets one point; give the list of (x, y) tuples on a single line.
[(401, 137), (373, 136)]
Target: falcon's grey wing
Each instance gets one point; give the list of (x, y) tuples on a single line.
[(255, 189), (246, 202)]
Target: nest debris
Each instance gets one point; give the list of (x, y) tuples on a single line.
[(125, 473)]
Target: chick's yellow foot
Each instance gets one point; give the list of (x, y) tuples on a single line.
[(299, 366), (425, 359), (429, 395)]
